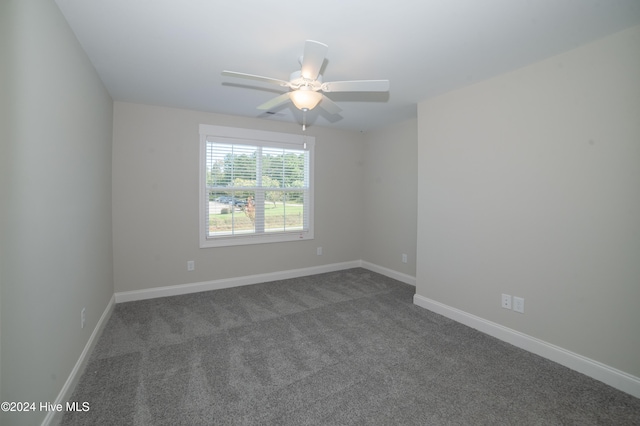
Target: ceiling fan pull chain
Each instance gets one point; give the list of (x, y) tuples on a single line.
[(304, 122)]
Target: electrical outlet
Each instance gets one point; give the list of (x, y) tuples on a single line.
[(506, 301), (518, 304), (319, 251), (82, 318), (191, 265), (404, 258)]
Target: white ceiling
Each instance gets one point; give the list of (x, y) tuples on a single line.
[(171, 52)]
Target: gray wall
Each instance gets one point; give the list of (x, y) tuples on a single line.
[(56, 204), (529, 184), (155, 201), (390, 197)]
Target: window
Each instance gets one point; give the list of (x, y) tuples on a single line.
[(255, 186)]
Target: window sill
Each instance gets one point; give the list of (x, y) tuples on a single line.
[(239, 240)]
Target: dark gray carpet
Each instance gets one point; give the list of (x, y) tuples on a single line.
[(340, 348)]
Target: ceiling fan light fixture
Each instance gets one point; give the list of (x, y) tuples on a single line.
[(305, 98), (306, 85)]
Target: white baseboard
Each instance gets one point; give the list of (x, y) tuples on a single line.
[(407, 279), (597, 370), (175, 290), (53, 416)]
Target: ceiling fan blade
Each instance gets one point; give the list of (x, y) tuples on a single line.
[(256, 77), (278, 100), (356, 86), (329, 106), (312, 59)]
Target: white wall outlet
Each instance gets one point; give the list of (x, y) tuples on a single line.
[(191, 265), (506, 301), (518, 304), (319, 251), (83, 318), (404, 258)]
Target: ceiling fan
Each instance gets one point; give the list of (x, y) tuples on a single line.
[(306, 85)]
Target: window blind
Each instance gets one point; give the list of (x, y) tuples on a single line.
[(256, 188)]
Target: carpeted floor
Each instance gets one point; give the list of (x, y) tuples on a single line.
[(339, 348)]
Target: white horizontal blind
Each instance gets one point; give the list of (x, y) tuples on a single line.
[(231, 186), (256, 188)]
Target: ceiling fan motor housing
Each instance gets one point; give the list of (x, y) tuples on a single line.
[(296, 81)]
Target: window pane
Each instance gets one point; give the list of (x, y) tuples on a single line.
[(294, 211), (294, 169), (283, 168), (284, 211), (272, 164), (274, 211), (229, 164), (231, 213)]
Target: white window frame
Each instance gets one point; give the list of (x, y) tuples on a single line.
[(259, 138)]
